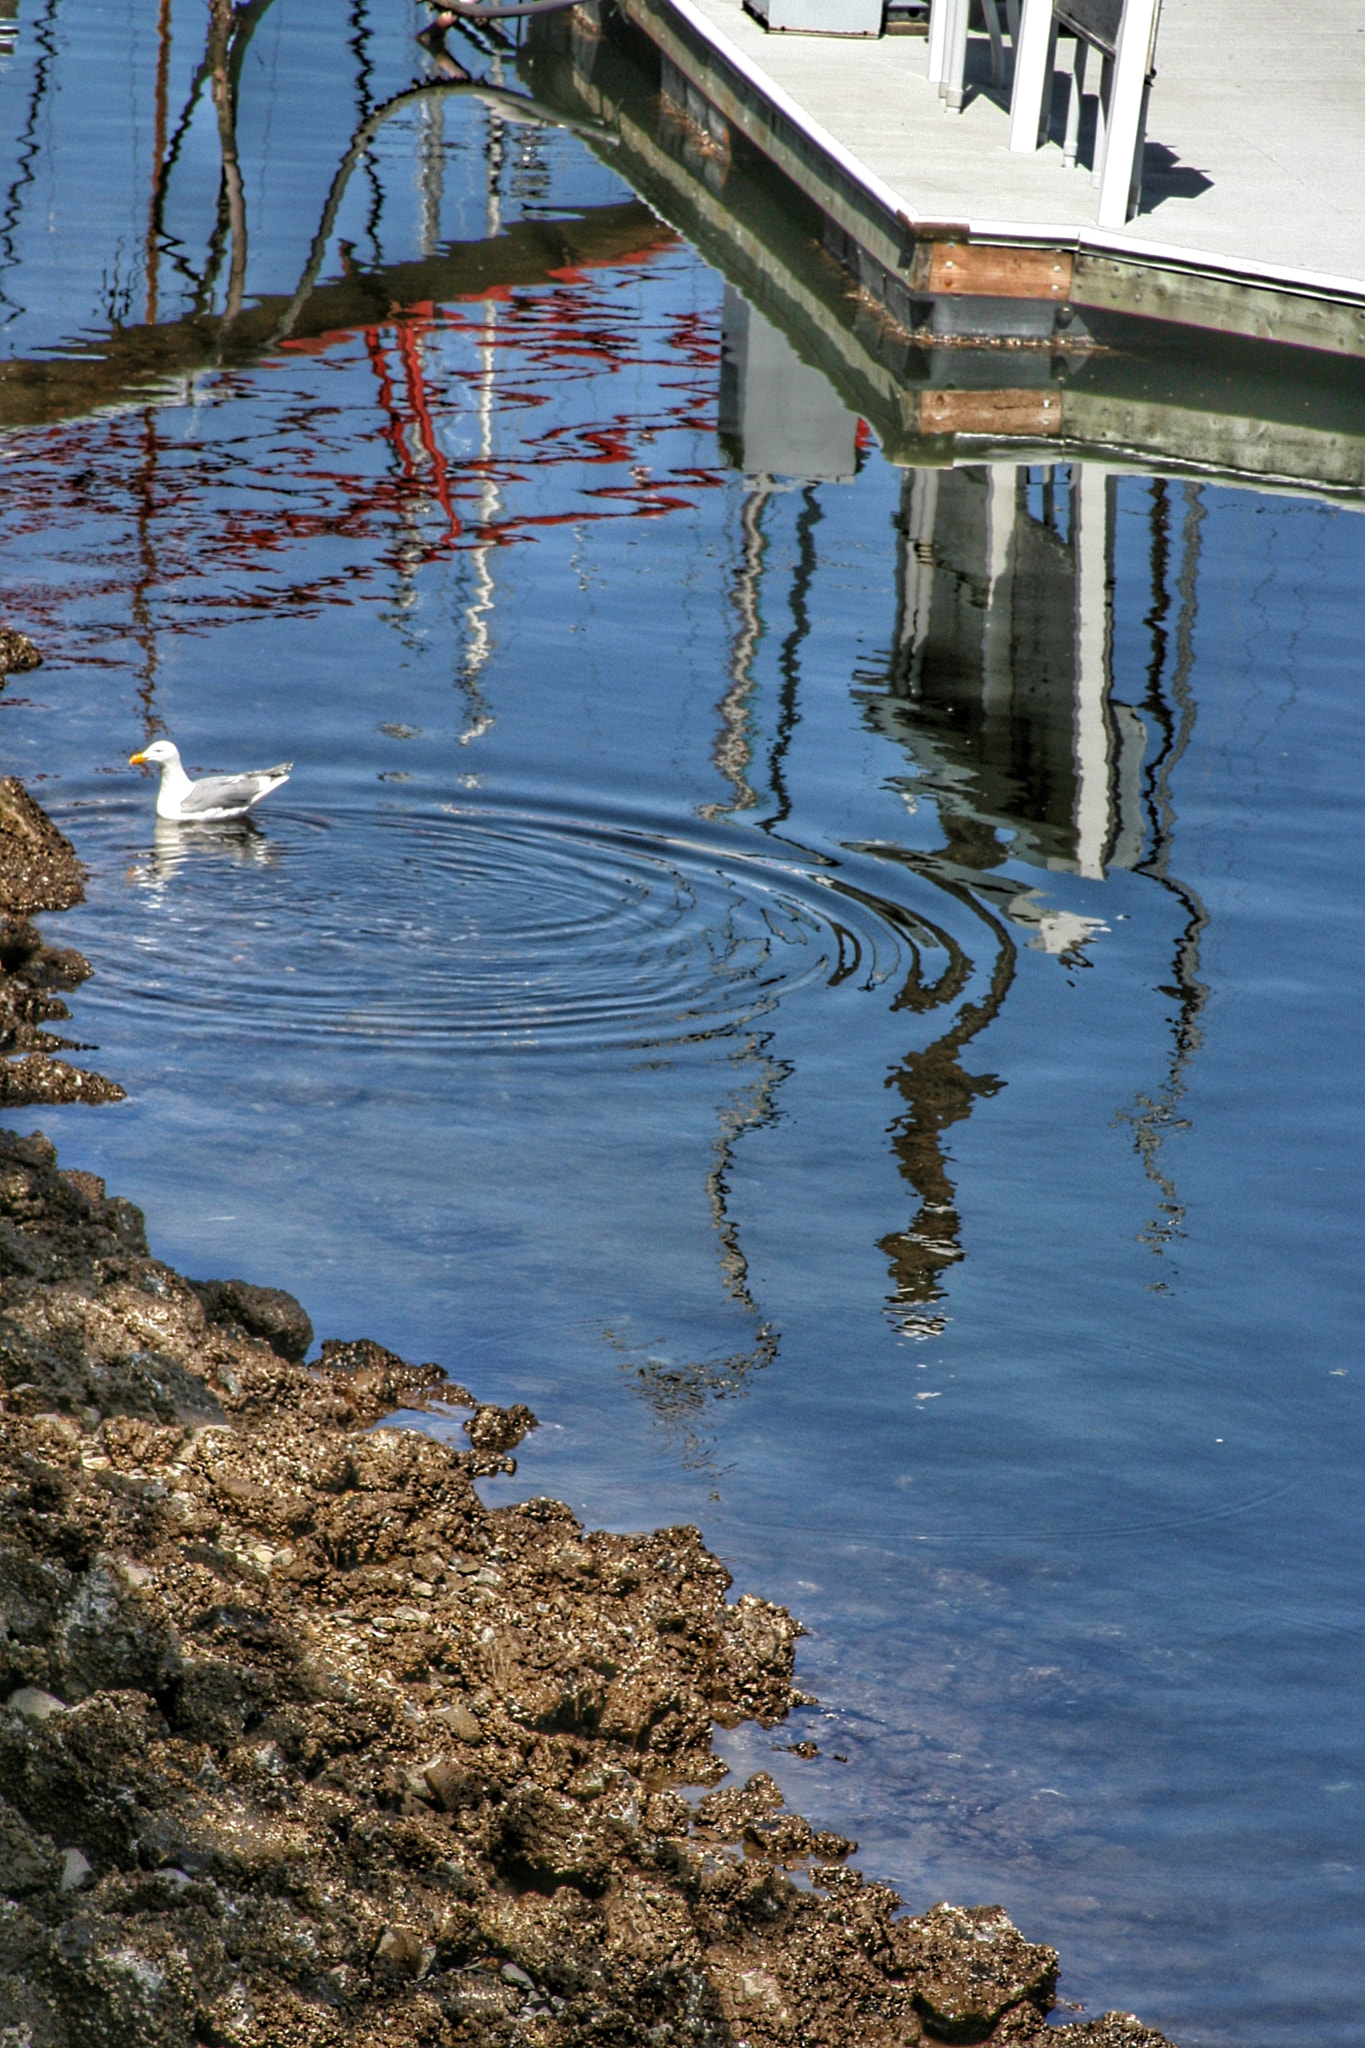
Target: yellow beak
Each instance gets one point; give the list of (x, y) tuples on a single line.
[(134, 759)]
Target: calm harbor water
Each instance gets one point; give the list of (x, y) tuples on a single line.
[(721, 971)]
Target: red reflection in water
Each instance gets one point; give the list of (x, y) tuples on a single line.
[(413, 413), (360, 444)]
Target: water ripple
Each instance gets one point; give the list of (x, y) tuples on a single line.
[(494, 928)]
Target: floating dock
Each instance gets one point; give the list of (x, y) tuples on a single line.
[(1253, 209), (963, 339)]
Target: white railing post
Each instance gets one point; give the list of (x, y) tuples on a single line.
[(938, 37), (955, 55), (1075, 101), (1127, 108), (1032, 74)]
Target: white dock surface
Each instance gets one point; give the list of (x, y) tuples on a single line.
[(1260, 104)]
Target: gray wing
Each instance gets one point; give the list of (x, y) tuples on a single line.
[(232, 792)]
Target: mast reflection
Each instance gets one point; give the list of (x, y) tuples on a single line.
[(1154, 1117), (938, 1092), (733, 751)]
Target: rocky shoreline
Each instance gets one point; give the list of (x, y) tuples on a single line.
[(300, 1743), (39, 870)]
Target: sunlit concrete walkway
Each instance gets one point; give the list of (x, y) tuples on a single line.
[(1256, 136)]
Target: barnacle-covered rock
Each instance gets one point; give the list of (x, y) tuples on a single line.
[(303, 1746)]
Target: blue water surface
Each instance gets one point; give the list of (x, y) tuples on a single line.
[(653, 999)]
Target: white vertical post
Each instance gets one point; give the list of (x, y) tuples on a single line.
[(955, 56), (939, 11), (1032, 74), (1135, 188), (1092, 814), (1002, 510), (1101, 116), (1075, 106), (1127, 107)]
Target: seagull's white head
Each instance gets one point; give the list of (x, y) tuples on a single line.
[(160, 753)]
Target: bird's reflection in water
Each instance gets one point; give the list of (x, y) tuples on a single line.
[(175, 847)]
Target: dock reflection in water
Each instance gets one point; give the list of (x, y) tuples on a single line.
[(802, 935), (1000, 686)]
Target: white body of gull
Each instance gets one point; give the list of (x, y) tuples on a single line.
[(213, 796)]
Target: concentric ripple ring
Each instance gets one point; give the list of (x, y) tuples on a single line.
[(498, 928)]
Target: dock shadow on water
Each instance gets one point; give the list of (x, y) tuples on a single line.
[(800, 942)]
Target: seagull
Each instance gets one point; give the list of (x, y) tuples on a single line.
[(213, 797)]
